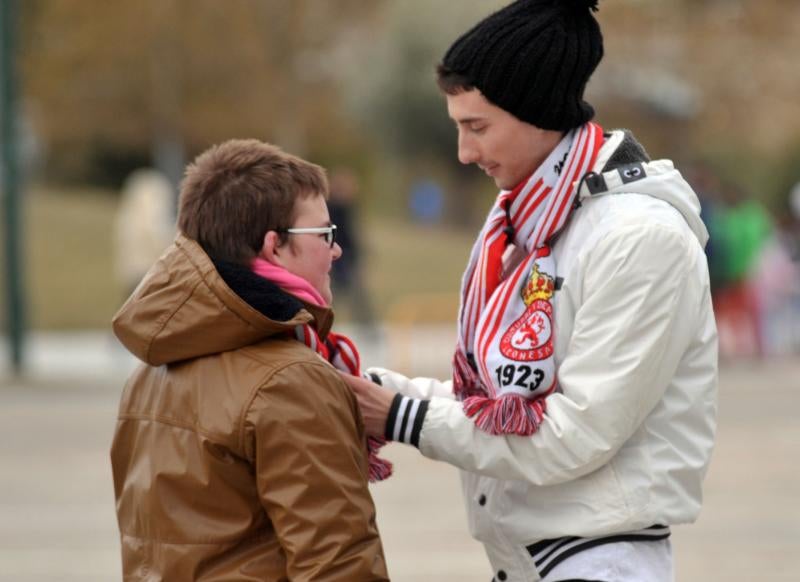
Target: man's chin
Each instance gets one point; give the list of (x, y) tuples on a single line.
[(509, 182), (327, 295), (503, 184)]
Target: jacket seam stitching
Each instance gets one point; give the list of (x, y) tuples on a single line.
[(260, 386), (167, 318), (623, 492), (171, 422), (234, 539)]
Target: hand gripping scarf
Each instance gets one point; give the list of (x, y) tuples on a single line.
[(337, 349), (504, 367)]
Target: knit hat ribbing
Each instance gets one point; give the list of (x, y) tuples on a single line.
[(533, 58)]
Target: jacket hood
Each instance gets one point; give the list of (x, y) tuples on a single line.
[(187, 306), (622, 167)]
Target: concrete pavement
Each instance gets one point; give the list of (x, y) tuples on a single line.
[(57, 518)]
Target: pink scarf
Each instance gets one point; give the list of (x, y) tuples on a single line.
[(289, 282), (337, 349), (504, 366)]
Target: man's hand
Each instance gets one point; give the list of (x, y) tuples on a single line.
[(374, 402)]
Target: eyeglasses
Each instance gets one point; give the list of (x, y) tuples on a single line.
[(328, 231)]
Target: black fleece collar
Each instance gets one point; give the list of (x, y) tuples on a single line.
[(261, 294), (629, 151)]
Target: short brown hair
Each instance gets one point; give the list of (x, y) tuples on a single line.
[(237, 191), (452, 83)]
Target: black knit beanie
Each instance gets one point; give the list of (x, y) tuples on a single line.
[(533, 58)]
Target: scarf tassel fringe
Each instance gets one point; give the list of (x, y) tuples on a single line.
[(379, 469), (508, 414)]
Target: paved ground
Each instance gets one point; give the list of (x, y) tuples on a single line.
[(57, 515)]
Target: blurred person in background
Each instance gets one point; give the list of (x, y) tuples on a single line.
[(776, 282), (791, 228), (753, 279), (582, 408), (346, 276), (239, 452), (707, 185), (144, 225), (743, 229)]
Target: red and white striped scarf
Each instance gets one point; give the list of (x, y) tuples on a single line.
[(341, 352), (337, 349), (504, 365)]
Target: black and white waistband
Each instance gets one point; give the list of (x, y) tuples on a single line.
[(547, 554)]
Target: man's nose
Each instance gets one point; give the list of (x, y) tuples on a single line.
[(336, 251), (467, 153)]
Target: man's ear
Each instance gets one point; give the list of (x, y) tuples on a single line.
[(272, 250)]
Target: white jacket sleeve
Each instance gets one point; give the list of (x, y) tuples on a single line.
[(638, 310), (423, 388)]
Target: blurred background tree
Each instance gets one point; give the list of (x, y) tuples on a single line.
[(112, 85), (108, 87)]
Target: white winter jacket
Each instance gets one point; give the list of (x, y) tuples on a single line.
[(627, 438)]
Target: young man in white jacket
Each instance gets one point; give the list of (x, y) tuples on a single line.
[(582, 406)]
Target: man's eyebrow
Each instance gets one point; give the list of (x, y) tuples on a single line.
[(468, 120)]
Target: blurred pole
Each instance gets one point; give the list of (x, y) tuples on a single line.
[(168, 149), (10, 176)]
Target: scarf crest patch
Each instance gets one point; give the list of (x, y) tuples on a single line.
[(530, 338), (504, 365)]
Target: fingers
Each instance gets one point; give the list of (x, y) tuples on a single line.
[(374, 402), (357, 384)]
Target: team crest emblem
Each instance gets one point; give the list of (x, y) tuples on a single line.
[(530, 337)]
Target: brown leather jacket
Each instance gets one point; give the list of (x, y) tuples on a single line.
[(239, 454)]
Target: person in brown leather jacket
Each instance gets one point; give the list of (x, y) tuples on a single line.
[(239, 453)]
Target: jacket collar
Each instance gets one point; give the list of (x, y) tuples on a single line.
[(185, 308), (270, 300)]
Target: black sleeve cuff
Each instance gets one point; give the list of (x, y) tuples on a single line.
[(406, 416), (392, 418)]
